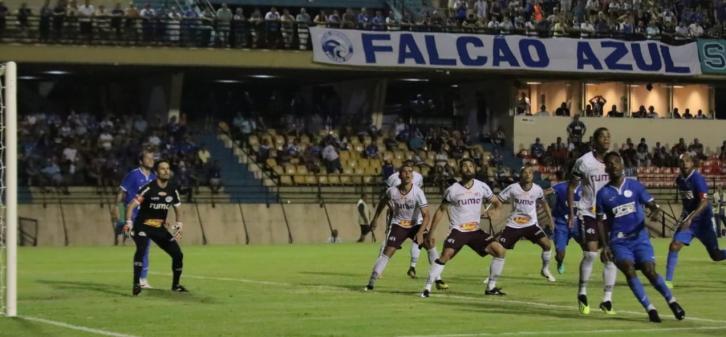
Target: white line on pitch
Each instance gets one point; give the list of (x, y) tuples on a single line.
[(573, 332), (469, 298), (76, 327)]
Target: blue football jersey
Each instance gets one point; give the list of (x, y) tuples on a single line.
[(624, 207), (561, 210), (691, 190), (132, 183)]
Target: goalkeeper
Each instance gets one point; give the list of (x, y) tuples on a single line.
[(154, 200)]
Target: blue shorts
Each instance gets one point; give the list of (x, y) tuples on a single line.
[(703, 230), (637, 249), (563, 234)]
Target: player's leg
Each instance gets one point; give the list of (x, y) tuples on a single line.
[(437, 267), (433, 255), (590, 252), (415, 253), (680, 238), (544, 243), (708, 237), (396, 236), (646, 261), (144, 281), (167, 243), (628, 268), (498, 253), (141, 240), (561, 238)]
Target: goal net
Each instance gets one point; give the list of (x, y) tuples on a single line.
[(8, 189)]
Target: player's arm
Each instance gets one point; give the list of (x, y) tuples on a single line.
[(177, 227), (702, 204), (120, 197), (383, 203), (548, 211), (607, 254), (129, 212), (426, 223), (571, 187)]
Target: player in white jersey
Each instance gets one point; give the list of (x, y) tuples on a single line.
[(392, 181), (463, 201), (589, 170), (409, 212), (523, 223)]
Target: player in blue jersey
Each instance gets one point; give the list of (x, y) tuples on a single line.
[(695, 219), (131, 184), (620, 205), (560, 212)]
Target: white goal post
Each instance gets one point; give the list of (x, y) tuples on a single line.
[(8, 188)]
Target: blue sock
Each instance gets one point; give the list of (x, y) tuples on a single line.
[(671, 265), (638, 291), (145, 268), (663, 289)]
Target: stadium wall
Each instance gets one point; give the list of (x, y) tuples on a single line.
[(666, 131), (224, 224)]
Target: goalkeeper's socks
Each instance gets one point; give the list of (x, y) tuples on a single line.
[(177, 275), (138, 266)]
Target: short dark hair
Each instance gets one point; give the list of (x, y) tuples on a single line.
[(158, 163), (612, 153), (464, 160), (143, 152), (598, 131)]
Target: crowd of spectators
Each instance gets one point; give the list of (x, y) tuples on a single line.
[(238, 27), (434, 150), (80, 149), (596, 109)]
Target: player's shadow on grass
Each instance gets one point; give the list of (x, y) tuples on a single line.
[(114, 290), (523, 310), (92, 286)]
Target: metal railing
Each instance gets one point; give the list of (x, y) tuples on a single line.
[(212, 32)]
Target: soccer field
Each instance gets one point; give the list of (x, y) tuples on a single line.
[(315, 290)]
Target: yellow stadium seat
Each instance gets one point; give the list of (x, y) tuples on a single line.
[(367, 140), (358, 171), (253, 141), (344, 179), (353, 163), (311, 179), (285, 180), (348, 170), (289, 169), (279, 170), (358, 148), (294, 161), (344, 155), (424, 170), (299, 179), (398, 154), (397, 163), (387, 155), (333, 179), (323, 180), (305, 139), (364, 163), (301, 169), (367, 179), (271, 162)]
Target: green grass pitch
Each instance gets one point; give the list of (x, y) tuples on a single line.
[(315, 290)]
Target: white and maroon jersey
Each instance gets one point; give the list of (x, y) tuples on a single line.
[(406, 208), (465, 204), (394, 180), (592, 173), (524, 204)]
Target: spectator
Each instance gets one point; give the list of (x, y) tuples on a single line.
[(214, 177), (378, 22), (371, 151), (331, 159), (303, 21), (700, 115), (598, 105), (614, 113), (387, 169), (542, 111), (224, 24), (576, 130), (272, 25), (499, 137), (563, 110), (676, 114), (537, 149), (687, 114), (348, 20), (363, 20), (641, 113), (523, 105)]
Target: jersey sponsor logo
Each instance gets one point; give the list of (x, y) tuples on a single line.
[(154, 198), (468, 201), (157, 206), (590, 231), (628, 193), (169, 199), (142, 234), (403, 205), (625, 209), (599, 178), (154, 222), (405, 223), (686, 195), (525, 202), (450, 240), (162, 194), (521, 219), (469, 226)]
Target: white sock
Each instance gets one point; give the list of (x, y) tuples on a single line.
[(588, 258), (434, 274), (378, 268), (609, 275), (415, 252), (433, 255), (546, 256), (650, 307), (495, 270)]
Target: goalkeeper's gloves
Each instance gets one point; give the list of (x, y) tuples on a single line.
[(128, 228), (177, 228)]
